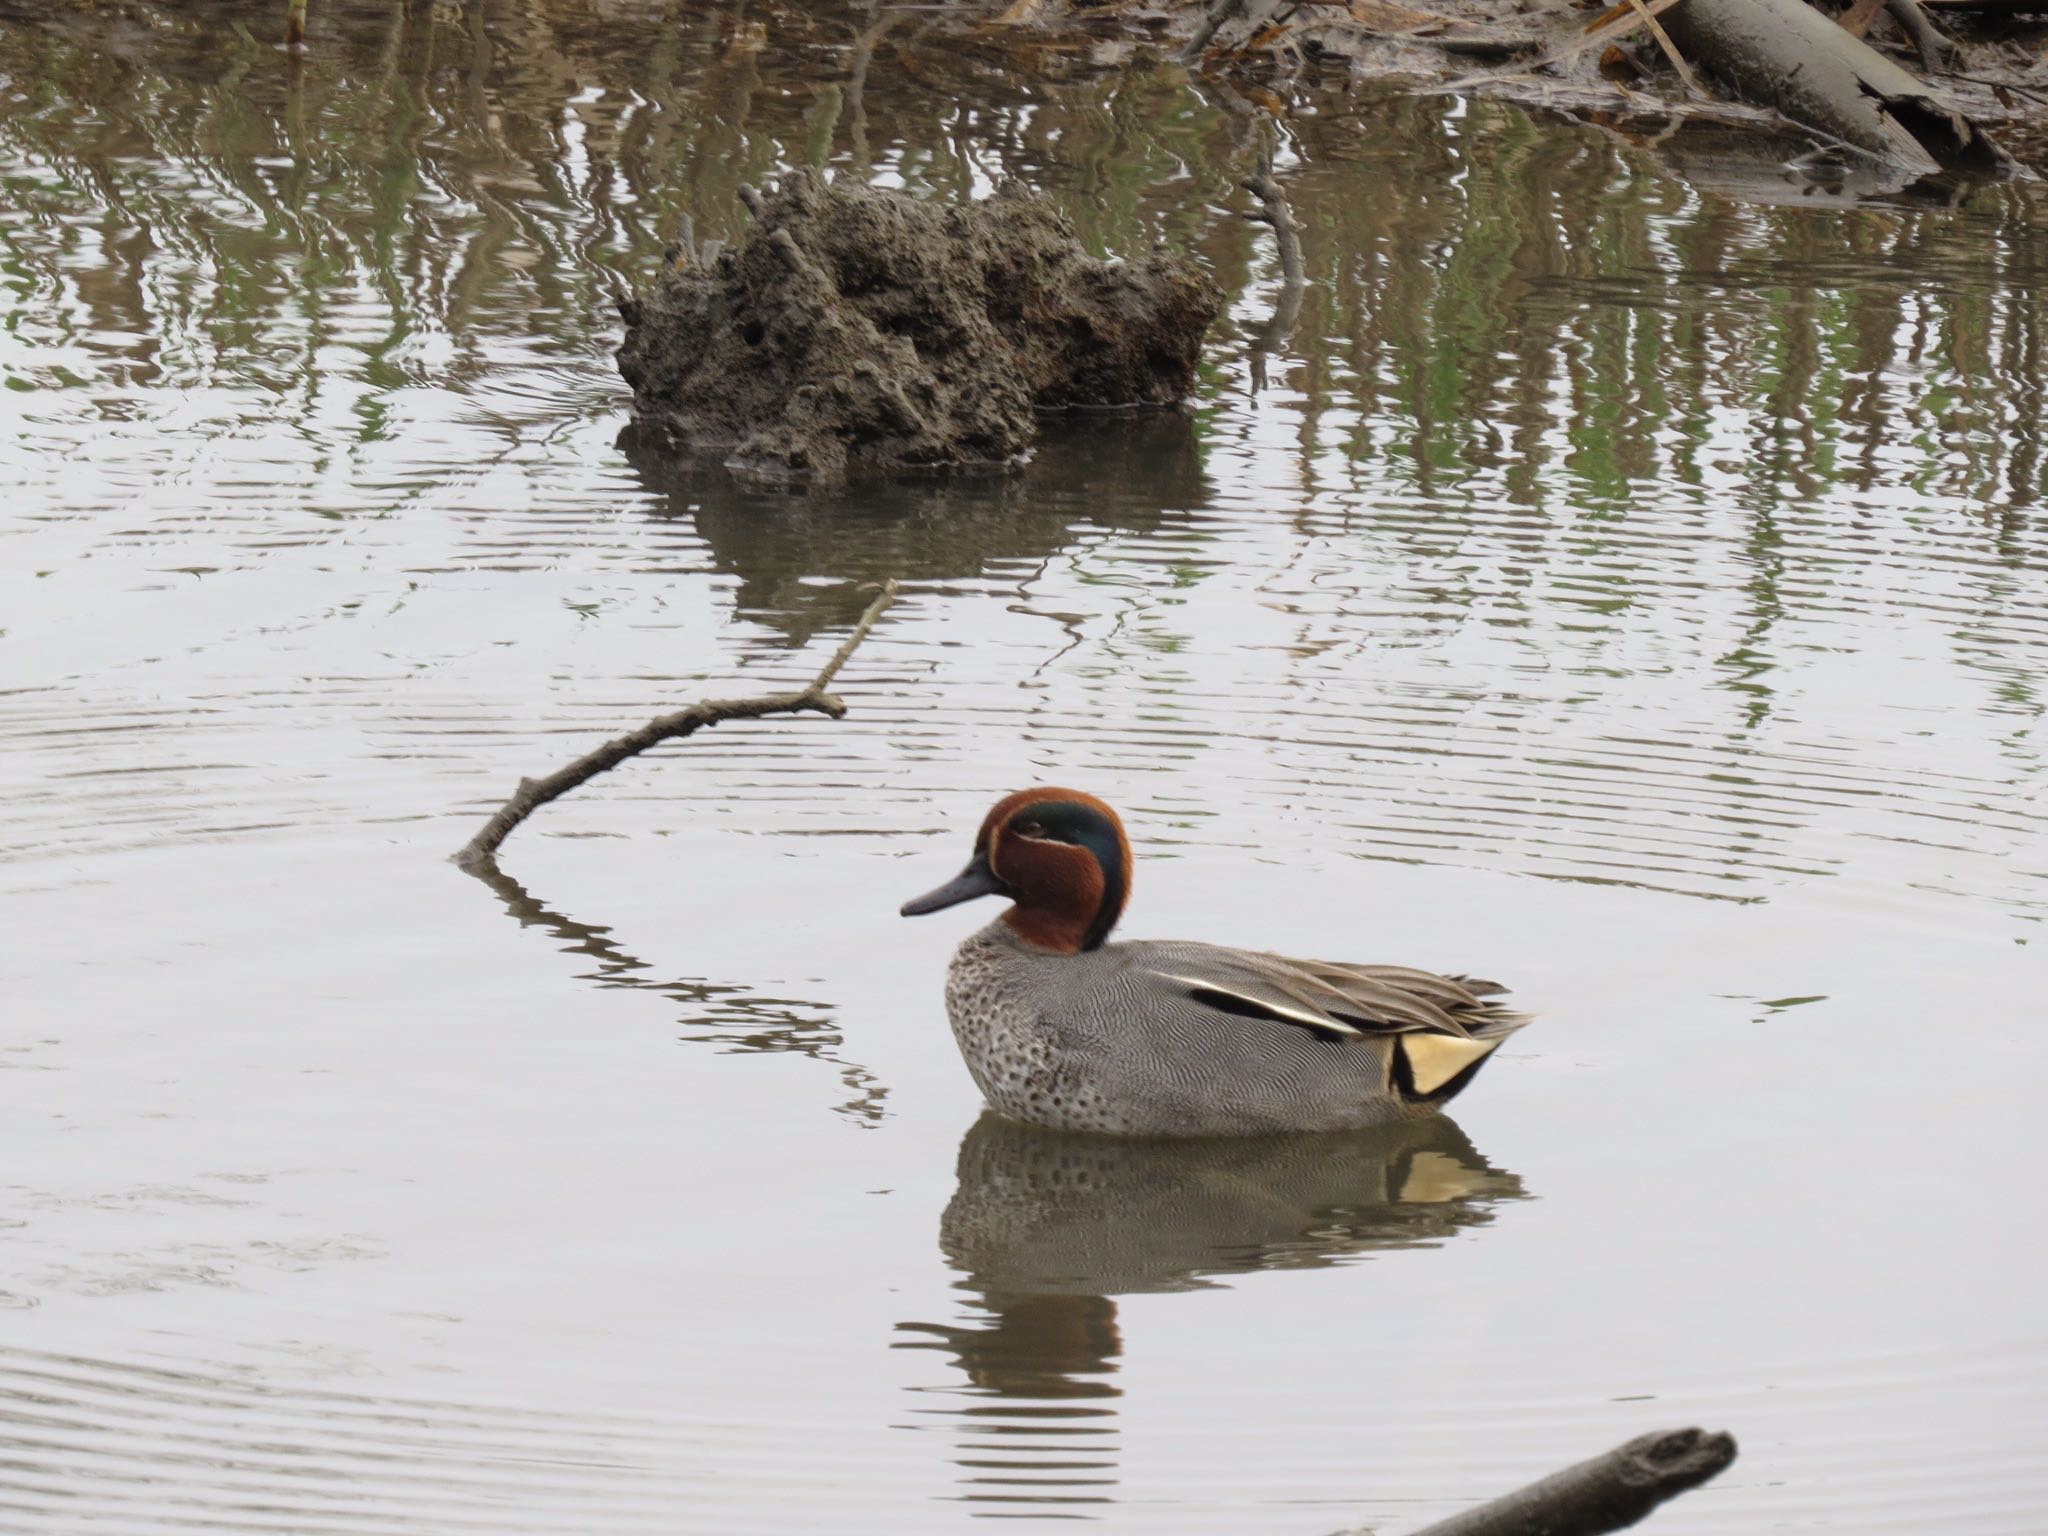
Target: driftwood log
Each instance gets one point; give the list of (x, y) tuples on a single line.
[(1786, 55), (1608, 1493), (479, 852)]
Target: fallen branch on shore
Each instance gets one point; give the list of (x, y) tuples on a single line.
[(1786, 55), (479, 852), (1728, 61), (1609, 1493), (1605, 30), (1668, 48), (1913, 21)]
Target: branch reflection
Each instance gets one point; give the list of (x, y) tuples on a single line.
[(716, 1013)]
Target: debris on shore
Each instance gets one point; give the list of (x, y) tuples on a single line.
[(1917, 88), (856, 329)]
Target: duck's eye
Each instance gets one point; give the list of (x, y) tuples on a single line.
[(1028, 828)]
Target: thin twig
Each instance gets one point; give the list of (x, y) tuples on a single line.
[(2010, 85), (1908, 14), (1212, 22), (532, 794), (1608, 1493), (1685, 74)]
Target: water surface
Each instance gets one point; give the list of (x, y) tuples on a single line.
[(1625, 580)]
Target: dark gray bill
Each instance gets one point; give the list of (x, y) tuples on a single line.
[(977, 879)]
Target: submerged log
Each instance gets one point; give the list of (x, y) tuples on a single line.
[(1786, 55), (1608, 1493)]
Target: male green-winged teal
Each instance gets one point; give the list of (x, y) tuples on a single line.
[(1165, 1038)]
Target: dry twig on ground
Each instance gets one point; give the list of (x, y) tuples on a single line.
[(1670, 49), (479, 852), (1926, 37)]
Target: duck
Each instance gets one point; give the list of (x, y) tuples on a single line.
[(1172, 1038)]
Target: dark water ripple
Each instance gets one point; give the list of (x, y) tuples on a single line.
[(133, 1447)]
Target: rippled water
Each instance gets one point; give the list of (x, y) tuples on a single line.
[(1625, 581)]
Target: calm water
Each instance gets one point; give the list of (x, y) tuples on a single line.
[(1624, 585)]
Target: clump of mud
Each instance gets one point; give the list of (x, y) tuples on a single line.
[(858, 329)]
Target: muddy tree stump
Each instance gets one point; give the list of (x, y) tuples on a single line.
[(857, 329)]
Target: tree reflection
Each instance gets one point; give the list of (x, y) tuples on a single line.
[(1534, 311), (1542, 400)]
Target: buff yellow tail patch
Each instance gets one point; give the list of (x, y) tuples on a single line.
[(1434, 1060)]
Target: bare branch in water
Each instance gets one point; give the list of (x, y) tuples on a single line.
[(1293, 273), (532, 794), (1277, 213), (1608, 1493)]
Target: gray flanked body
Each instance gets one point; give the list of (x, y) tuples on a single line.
[(1164, 1038), (1063, 1029)]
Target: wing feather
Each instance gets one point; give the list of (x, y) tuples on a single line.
[(1336, 1002), (1243, 1005)]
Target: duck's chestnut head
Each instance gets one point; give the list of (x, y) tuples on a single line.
[(1060, 855)]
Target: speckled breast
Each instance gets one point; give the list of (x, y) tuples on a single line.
[(1011, 1054)]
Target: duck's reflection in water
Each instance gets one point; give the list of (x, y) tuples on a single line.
[(1047, 1227)]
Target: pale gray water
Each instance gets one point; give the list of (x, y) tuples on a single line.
[(1626, 589)]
